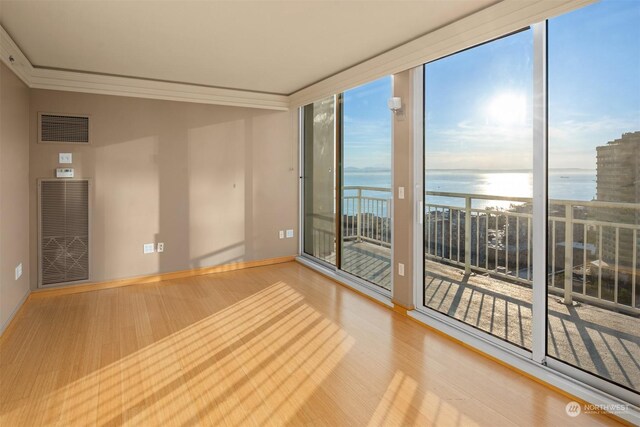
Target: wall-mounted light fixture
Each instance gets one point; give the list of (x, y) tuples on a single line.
[(395, 104)]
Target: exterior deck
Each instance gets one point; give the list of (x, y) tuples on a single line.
[(596, 339)]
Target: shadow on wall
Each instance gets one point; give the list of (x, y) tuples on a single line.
[(230, 254), (220, 183), (210, 182)]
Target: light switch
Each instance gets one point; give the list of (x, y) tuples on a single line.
[(148, 248), (65, 158), (289, 234), (400, 192), (18, 271), (400, 269)]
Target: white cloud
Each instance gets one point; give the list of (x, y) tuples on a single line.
[(479, 146), (572, 143)]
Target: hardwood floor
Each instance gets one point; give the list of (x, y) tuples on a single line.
[(274, 345)]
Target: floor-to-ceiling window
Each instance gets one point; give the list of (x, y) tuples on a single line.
[(319, 206), (594, 190), (366, 182), (478, 181), (578, 87)]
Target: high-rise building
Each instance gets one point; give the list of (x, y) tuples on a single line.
[(618, 180)]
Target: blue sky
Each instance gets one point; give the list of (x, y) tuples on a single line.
[(594, 79), (478, 102), (478, 106), (367, 125)]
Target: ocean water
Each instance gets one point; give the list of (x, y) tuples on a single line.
[(571, 184)]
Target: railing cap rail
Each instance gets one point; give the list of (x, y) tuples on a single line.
[(361, 187), (587, 203)]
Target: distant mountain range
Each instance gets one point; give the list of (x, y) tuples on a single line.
[(511, 170), (352, 169)]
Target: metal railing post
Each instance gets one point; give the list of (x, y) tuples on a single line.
[(467, 236), (359, 217), (568, 254)]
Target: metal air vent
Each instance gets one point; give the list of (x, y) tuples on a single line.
[(66, 128), (64, 231)]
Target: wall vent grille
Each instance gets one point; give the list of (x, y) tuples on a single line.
[(64, 231), (67, 128)]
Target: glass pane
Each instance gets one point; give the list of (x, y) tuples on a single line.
[(319, 180), (366, 180), (594, 190), (478, 182)]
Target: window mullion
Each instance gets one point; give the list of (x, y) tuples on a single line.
[(539, 247)]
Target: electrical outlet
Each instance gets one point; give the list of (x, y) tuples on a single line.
[(281, 234), (148, 248), (160, 247), (400, 269), (18, 271), (289, 234)]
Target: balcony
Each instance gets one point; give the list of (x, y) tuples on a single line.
[(479, 270)]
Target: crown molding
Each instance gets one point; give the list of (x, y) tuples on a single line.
[(71, 81), (490, 23), (20, 65)]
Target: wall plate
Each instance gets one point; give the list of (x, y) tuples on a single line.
[(64, 173), (64, 158)]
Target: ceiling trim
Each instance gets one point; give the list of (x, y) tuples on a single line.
[(487, 24), (20, 65), (490, 23), (72, 81)]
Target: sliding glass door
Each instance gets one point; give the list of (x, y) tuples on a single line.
[(366, 182), (347, 169), (577, 85), (478, 182), (594, 191)]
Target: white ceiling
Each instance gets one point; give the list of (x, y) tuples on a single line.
[(268, 46)]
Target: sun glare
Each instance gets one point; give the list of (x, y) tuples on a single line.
[(506, 184), (507, 108)]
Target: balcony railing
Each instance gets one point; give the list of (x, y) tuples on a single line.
[(367, 215), (592, 246)]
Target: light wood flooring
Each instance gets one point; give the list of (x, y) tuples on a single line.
[(274, 345)]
